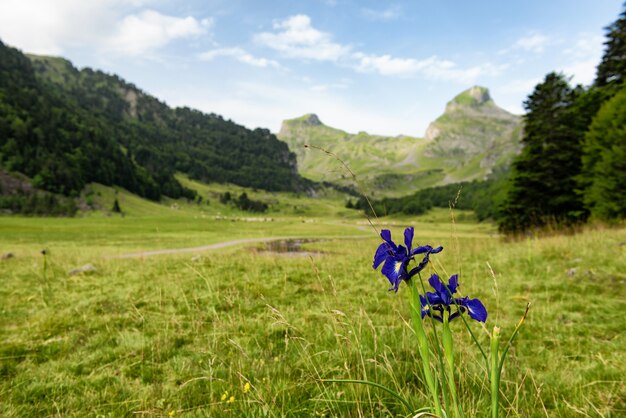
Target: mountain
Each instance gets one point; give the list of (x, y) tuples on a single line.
[(380, 162), (474, 127), (472, 139), (63, 128)]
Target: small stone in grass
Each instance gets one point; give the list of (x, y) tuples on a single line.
[(87, 268)]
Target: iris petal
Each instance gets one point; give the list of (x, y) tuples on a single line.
[(408, 238), (385, 234), (425, 306), (421, 250), (435, 282), (476, 309), (381, 253), (434, 298), (436, 250), (453, 283), (394, 270)]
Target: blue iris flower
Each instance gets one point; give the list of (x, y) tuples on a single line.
[(396, 258), (434, 303)]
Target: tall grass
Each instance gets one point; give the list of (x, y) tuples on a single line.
[(169, 336)]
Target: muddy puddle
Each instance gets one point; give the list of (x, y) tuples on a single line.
[(289, 248)]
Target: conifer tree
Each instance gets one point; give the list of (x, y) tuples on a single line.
[(116, 207), (612, 69), (544, 179), (604, 161)]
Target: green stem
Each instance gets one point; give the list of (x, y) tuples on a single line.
[(418, 327), (495, 372), (449, 354), (510, 342), (439, 352)]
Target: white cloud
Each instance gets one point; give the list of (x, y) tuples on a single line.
[(582, 72), (240, 55), (46, 27), (54, 27), (585, 55), (149, 30), (386, 15), (433, 67), (388, 65), (525, 86), (295, 37), (342, 85), (587, 46), (535, 42)]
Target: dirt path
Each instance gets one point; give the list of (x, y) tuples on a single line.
[(225, 244), (201, 248)]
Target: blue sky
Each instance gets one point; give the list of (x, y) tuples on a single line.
[(385, 67)]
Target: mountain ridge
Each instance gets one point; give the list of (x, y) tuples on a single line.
[(470, 140)]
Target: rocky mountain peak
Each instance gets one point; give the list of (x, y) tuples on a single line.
[(474, 97), (473, 126), (311, 119), (479, 94)]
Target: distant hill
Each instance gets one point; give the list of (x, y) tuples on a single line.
[(64, 128), (386, 162), (472, 139)]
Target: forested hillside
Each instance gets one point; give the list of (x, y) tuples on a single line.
[(64, 128)]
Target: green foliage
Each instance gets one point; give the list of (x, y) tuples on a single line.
[(225, 198), (65, 128), (55, 141), (611, 71), (243, 202), (247, 204), (116, 207), (558, 179), (544, 179), (604, 161), (38, 203), (485, 198)]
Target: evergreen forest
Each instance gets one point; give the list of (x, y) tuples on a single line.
[(63, 128)]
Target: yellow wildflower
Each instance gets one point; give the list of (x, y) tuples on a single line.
[(231, 399), (246, 387)]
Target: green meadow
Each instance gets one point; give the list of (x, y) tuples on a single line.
[(244, 330)]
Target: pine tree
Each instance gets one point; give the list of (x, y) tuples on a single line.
[(604, 161), (116, 207), (612, 69), (544, 179)]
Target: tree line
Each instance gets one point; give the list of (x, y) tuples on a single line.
[(478, 195), (572, 167)]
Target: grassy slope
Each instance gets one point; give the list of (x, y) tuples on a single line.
[(385, 164), (167, 335), (474, 138)]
